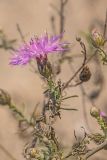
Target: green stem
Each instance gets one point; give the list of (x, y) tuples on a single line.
[(15, 110), (69, 109)]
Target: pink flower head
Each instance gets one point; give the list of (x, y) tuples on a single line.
[(38, 48), (102, 114), (95, 34), (98, 38)]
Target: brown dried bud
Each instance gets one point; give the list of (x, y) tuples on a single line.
[(85, 74), (5, 98), (95, 112), (78, 39)]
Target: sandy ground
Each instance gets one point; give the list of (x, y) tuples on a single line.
[(25, 86)]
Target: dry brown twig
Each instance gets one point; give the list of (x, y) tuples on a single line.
[(83, 64), (60, 12), (91, 152), (105, 26), (95, 150), (20, 33), (62, 18)]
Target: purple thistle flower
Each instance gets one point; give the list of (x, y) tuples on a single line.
[(102, 114), (38, 48)]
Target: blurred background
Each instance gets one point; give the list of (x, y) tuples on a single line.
[(25, 87)]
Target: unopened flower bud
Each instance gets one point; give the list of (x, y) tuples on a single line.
[(95, 112), (102, 114), (33, 153), (44, 68), (5, 98), (98, 38)]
